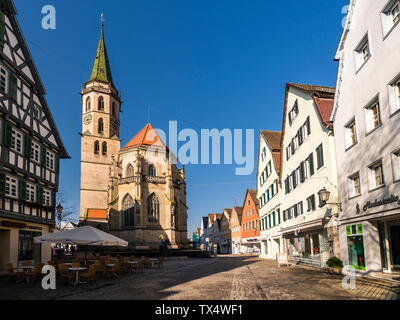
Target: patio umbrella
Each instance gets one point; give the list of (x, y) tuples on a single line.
[(85, 236)]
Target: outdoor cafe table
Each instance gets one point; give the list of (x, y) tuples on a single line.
[(132, 263), (153, 260), (77, 270), (24, 269)]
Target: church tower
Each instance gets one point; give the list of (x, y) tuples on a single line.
[(100, 142)]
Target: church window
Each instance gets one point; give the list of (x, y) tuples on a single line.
[(152, 171), (153, 209), (96, 147), (101, 126), (129, 171), (104, 149), (131, 210), (88, 104), (101, 104), (114, 109)]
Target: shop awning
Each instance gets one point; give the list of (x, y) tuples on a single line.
[(307, 226)]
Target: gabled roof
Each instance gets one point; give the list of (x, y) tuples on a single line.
[(147, 137), (324, 107), (101, 68), (276, 156), (229, 211), (238, 211), (313, 89), (253, 195), (11, 12), (273, 138)]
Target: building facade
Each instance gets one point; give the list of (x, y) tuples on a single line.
[(236, 231), (136, 192), (269, 193), (309, 228), (30, 149), (250, 231), (367, 125), (225, 242)]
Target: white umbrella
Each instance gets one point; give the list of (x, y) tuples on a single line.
[(87, 236)]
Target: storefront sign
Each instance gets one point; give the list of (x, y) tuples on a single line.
[(378, 203), (11, 224), (35, 228), (282, 258)]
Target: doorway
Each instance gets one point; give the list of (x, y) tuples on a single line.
[(395, 246)]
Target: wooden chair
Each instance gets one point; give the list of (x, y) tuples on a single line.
[(35, 274), (115, 271), (65, 274), (146, 262), (91, 274), (75, 265), (13, 273), (159, 262)]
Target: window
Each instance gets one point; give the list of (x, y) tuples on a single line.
[(104, 149), (3, 79), (394, 12), (362, 53), (294, 112), (96, 147), (153, 209), (390, 16), (320, 157), (101, 126), (11, 187), (375, 175), (396, 165), (114, 109), (131, 210), (311, 203), (350, 134), (46, 197), (88, 104), (16, 141), (101, 104), (49, 160), (152, 171), (354, 185), (372, 116), (30, 193), (129, 171), (394, 95)]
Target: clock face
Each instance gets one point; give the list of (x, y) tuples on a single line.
[(87, 119)]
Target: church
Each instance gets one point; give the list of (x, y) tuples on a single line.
[(135, 192)]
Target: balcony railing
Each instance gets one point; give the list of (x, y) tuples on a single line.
[(155, 180), (127, 180)]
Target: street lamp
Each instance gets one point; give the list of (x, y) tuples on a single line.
[(59, 212), (324, 197)]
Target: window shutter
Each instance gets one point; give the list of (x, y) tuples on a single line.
[(28, 146), (313, 202), (311, 158), (40, 195), (7, 134), (13, 91), (295, 210), (22, 190), (302, 178), (43, 156), (279, 216), (53, 199), (308, 126), (57, 160), (2, 29), (2, 183), (393, 100)]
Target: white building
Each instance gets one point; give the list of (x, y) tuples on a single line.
[(309, 227), (367, 125), (269, 193)]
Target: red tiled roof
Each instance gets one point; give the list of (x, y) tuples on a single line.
[(97, 214), (325, 107), (277, 161), (273, 138), (253, 194), (147, 137)]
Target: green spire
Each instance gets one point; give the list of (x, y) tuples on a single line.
[(101, 67)]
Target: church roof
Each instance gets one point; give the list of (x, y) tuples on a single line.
[(147, 137), (101, 67)]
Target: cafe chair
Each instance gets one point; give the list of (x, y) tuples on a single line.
[(159, 262), (115, 271), (91, 274), (65, 274), (35, 274), (13, 273)]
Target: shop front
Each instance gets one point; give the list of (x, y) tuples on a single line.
[(17, 243), (251, 245)]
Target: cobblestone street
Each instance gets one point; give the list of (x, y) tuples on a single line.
[(222, 278)]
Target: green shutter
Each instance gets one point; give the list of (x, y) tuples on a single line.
[(279, 216), (22, 190), (57, 159), (53, 199), (2, 183), (40, 195), (43, 156), (7, 134), (28, 146), (2, 29), (13, 91)]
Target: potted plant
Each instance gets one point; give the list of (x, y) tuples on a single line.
[(335, 265)]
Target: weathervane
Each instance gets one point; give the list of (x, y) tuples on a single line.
[(102, 20)]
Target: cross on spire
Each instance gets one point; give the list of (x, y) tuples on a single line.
[(102, 20)]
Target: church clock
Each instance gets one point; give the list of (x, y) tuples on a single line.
[(87, 119)]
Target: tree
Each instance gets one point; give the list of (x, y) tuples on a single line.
[(69, 209)]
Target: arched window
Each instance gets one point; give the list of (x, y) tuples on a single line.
[(131, 211), (104, 149), (88, 104), (101, 126), (152, 171), (129, 171), (153, 209), (101, 104), (96, 147), (175, 216)]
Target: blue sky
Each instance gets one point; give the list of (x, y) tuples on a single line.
[(215, 63)]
